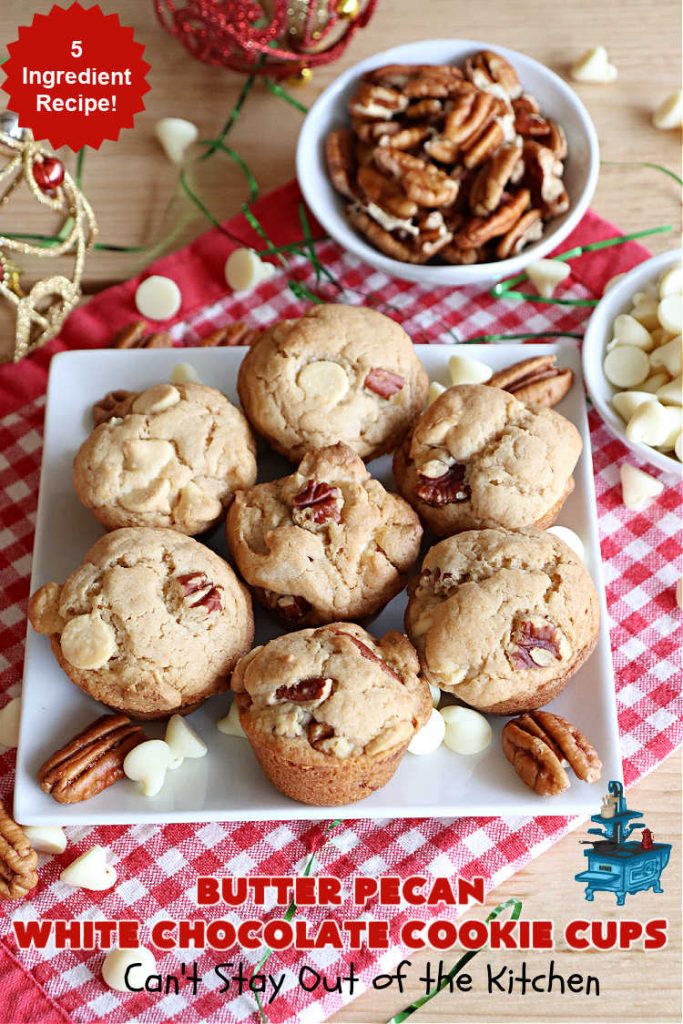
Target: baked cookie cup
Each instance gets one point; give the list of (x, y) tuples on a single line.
[(151, 624), (478, 458), (326, 543), (502, 619), (171, 457), (330, 712), (339, 373)]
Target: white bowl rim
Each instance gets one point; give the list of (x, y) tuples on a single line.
[(446, 275), (592, 351)]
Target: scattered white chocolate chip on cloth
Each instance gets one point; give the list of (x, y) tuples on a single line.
[(230, 724), (147, 765), (133, 966), (244, 269), (464, 370), (46, 838), (9, 723), (183, 741), (593, 66), (90, 871), (669, 113), (430, 737), (466, 731), (158, 298), (175, 135), (637, 487), (545, 275)]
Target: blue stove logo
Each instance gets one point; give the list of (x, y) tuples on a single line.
[(618, 866)]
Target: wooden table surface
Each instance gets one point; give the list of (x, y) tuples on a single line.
[(131, 187)]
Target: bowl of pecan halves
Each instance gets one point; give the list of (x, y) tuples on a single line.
[(448, 162)]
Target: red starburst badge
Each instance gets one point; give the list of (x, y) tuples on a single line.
[(75, 77)]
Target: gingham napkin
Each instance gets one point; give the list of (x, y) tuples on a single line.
[(157, 866)]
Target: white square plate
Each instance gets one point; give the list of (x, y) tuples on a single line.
[(227, 784)]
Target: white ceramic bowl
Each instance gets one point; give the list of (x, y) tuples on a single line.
[(594, 348), (557, 100)]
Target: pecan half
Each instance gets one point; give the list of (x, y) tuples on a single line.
[(341, 162), (446, 489), (368, 654), (292, 607), (538, 381), (536, 743), (208, 593), (422, 182), (483, 145), (318, 732), (322, 499), (130, 336), (91, 761), (491, 181), (373, 102), (530, 641), (236, 333), (385, 192), (543, 175), (18, 859), (159, 339), (528, 229), (528, 118), (487, 68), (115, 404), (383, 382), (380, 237), (305, 690), (479, 230)]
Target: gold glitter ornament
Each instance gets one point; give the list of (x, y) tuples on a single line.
[(314, 26), (40, 311)]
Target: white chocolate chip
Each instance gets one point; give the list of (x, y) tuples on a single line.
[(671, 281), (571, 539), (147, 455), (244, 269), (463, 370), (594, 66), (671, 393), (638, 488), (422, 625), (194, 503), (626, 402), (156, 399), (87, 641), (147, 764), (668, 356), (654, 383), (324, 382), (430, 737), (545, 275), (132, 965), (628, 331), (230, 725), (645, 312), (436, 695), (541, 657), (175, 135), (9, 723), (90, 871), (648, 424), (625, 366), (673, 416), (435, 390), (467, 732), (611, 283), (183, 741), (433, 468), (158, 298), (45, 838), (153, 498), (184, 373), (669, 113), (670, 312)]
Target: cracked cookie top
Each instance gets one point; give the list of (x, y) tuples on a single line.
[(173, 457), (151, 622), (478, 457), (340, 373), (334, 692), (327, 542), (501, 619)]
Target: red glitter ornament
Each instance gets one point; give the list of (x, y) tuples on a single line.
[(48, 173), (278, 38)]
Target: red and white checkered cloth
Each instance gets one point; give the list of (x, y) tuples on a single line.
[(157, 866)]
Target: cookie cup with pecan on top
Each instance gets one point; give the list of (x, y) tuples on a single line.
[(502, 619), (330, 712)]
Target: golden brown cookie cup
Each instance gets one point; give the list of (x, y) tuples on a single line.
[(319, 780), (446, 520)]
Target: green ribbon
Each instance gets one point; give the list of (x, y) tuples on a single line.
[(462, 962)]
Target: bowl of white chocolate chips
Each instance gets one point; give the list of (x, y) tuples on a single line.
[(632, 360)]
